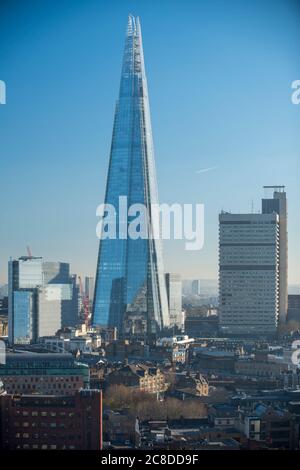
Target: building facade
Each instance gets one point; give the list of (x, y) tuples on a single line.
[(51, 422), (174, 293), (248, 274), (294, 307), (144, 378), (196, 287), (42, 298), (278, 204), (89, 288), (130, 291), (43, 373)]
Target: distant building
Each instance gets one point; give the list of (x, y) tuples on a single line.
[(144, 378), (122, 349), (222, 414), (4, 306), (3, 316), (249, 273), (260, 366), (275, 426), (174, 294), (213, 360), (51, 422), (89, 288), (3, 325), (55, 272), (192, 385), (43, 297), (3, 291), (43, 373), (181, 434), (78, 344), (278, 205), (294, 307), (195, 287), (201, 325)]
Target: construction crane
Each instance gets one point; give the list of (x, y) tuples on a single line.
[(85, 302)]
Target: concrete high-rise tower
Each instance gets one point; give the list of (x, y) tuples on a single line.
[(248, 274), (278, 205), (130, 290)]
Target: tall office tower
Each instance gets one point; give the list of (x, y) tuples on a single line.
[(89, 288), (248, 274), (278, 204), (130, 290), (174, 293), (43, 298), (25, 275)]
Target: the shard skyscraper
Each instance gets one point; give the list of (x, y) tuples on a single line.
[(130, 290)]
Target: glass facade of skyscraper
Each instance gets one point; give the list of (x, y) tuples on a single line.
[(130, 282), (24, 317)]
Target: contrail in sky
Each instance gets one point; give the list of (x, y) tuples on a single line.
[(204, 170)]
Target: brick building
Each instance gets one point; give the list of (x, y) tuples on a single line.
[(140, 376), (51, 422)]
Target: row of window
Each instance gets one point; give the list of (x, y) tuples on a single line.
[(26, 435)]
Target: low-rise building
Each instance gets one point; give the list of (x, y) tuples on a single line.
[(222, 414), (260, 365), (272, 425), (195, 385), (145, 378), (181, 434), (122, 349), (43, 373)]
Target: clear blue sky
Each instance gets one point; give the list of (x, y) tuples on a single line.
[(219, 76)]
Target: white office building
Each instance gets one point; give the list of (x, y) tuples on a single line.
[(248, 273)]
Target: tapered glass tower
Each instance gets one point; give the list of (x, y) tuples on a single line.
[(130, 290)]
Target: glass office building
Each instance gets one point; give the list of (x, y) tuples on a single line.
[(130, 291), (42, 298), (24, 276), (25, 316)]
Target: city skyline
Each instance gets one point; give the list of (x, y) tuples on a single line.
[(149, 259), (59, 160)]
